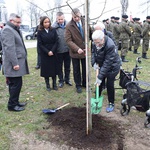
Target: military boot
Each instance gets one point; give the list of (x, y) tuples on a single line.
[(135, 51), (130, 49), (123, 59), (144, 55)]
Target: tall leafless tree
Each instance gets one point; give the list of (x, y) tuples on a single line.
[(124, 4)]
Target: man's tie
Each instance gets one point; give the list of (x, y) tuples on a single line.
[(81, 30)]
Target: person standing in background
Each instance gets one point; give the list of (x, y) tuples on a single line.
[(125, 34), (47, 42), (14, 60), (62, 50), (38, 65), (116, 32), (74, 36), (137, 35), (146, 37)]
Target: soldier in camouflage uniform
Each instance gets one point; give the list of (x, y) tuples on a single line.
[(107, 25), (131, 43), (125, 34), (146, 37), (111, 24), (116, 32), (137, 35)]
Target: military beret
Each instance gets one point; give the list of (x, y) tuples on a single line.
[(113, 17), (117, 18), (133, 19), (124, 16), (148, 17), (104, 20), (107, 19), (137, 19)]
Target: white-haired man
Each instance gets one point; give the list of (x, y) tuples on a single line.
[(108, 62), (101, 26)]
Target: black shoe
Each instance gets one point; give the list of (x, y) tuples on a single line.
[(84, 85), (79, 90), (48, 89), (61, 84), (16, 108), (69, 83), (37, 67), (55, 88), (22, 104)]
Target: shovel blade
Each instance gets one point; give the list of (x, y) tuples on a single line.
[(96, 105), (49, 111)]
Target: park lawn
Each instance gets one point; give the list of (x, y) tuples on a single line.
[(34, 92)]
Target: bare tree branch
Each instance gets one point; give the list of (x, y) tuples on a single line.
[(101, 12), (36, 6)]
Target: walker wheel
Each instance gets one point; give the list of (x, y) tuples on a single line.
[(125, 109), (147, 122)]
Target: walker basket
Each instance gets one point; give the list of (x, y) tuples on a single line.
[(125, 77), (138, 96)]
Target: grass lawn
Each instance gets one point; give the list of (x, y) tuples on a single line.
[(34, 92)]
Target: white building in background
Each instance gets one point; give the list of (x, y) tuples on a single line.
[(3, 12)]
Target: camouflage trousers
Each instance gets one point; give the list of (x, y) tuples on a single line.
[(137, 43), (131, 43), (124, 47), (145, 46)]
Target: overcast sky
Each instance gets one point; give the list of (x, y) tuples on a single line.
[(95, 5)]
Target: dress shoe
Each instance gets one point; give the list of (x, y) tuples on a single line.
[(61, 84), (69, 83), (55, 88), (79, 90), (83, 85), (16, 108), (37, 67), (22, 104)]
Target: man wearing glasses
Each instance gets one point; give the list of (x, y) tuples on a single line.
[(14, 60)]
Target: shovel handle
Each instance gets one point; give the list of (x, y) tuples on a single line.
[(97, 86), (62, 106)]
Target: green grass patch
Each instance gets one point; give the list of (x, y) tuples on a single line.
[(34, 92)]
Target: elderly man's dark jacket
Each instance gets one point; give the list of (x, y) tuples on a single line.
[(107, 58)]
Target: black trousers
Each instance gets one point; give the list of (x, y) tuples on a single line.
[(38, 56), (110, 79), (15, 85), (64, 62), (79, 77)]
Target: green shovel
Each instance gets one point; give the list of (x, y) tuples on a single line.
[(97, 102)]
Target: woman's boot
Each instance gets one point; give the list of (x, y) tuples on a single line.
[(47, 84), (54, 83)]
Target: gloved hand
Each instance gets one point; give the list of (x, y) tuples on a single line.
[(95, 66), (98, 81)]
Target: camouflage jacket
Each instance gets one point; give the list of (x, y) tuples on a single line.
[(137, 30), (125, 31), (116, 31), (146, 31)]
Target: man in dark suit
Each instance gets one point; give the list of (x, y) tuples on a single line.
[(74, 36), (14, 60)]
